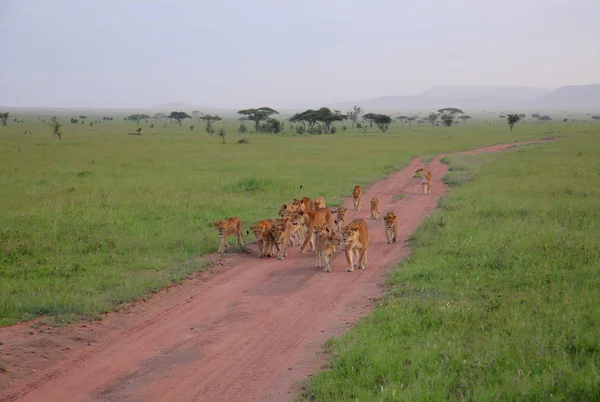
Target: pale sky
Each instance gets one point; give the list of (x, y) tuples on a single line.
[(225, 53)]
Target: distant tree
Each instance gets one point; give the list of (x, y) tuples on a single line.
[(370, 118), (82, 118), (4, 118), (450, 111), (91, 124), (464, 118), (209, 120), (222, 134), (511, 119), (432, 118), (565, 120), (326, 117), (502, 117), (159, 116), (137, 118), (383, 121), (55, 124), (179, 116), (410, 119), (152, 125), (535, 116), (304, 118), (522, 116), (447, 119), (545, 118), (139, 131), (257, 115), (596, 117), (243, 129), (401, 119), (197, 113), (354, 114), (270, 126), (192, 127)]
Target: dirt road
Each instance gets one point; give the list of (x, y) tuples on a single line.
[(247, 329)]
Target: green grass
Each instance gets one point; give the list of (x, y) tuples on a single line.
[(500, 299), (102, 217)]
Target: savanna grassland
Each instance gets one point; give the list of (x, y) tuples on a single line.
[(102, 217), (500, 299)]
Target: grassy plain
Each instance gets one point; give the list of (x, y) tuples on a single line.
[(102, 217), (501, 296)]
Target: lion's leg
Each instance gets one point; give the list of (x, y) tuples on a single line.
[(240, 242), (327, 266), (261, 248), (308, 240), (349, 254), (362, 262), (223, 245)]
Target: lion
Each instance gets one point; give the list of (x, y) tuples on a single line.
[(357, 197), (319, 203), (356, 238), (312, 219), (226, 228), (374, 208), (264, 237), (425, 175), (325, 246), (391, 227), (341, 214), (303, 203), (287, 209), (282, 233)]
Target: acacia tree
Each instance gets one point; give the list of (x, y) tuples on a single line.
[(464, 118), (383, 121), (197, 113), (55, 124), (354, 114), (159, 116), (136, 117), (326, 117), (596, 117), (447, 119), (370, 118), (511, 119), (83, 119), (401, 119), (410, 119), (450, 111), (179, 116), (535, 116), (258, 115), (209, 120), (4, 118), (432, 118), (306, 117), (545, 118)]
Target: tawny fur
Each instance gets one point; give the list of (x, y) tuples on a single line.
[(312, 219), (341, 214), (374, 208), (357, 197), (356, 238), (226, 228), (325, 247), (426, 177), (391, 227), (319, 203), (264, 236)]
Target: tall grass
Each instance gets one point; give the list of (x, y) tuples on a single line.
[(102, 217), (500, 299)]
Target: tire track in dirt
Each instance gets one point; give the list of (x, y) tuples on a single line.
[(247, 330)]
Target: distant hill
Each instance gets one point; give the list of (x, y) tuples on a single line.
[(572, 97), (484, 98), (485, 92)]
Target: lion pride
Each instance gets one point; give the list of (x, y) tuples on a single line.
[(357, 197), (391, 227), (356, 238), (226, 228)]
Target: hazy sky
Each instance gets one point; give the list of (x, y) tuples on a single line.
[(224, 53)]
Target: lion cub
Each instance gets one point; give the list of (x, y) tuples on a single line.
[(356, 238), (426, 182), (325, 246), (341, 214), (226, 228), (391, 227), (375, 208), (263, 233), (357, 197), (319, 203)]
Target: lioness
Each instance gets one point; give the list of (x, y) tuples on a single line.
[(226, 228), (319, 202), (282, 236), (391, 227), (426, 182), (287, 209), (357, 197), (264, 237), (356, 237), (312, 219), (341, 214), (303, 203), (326, 242), (374, 208)]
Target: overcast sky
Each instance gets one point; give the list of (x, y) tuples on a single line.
[(225, 53)]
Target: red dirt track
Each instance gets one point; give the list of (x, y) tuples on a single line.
[(246, 329)]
